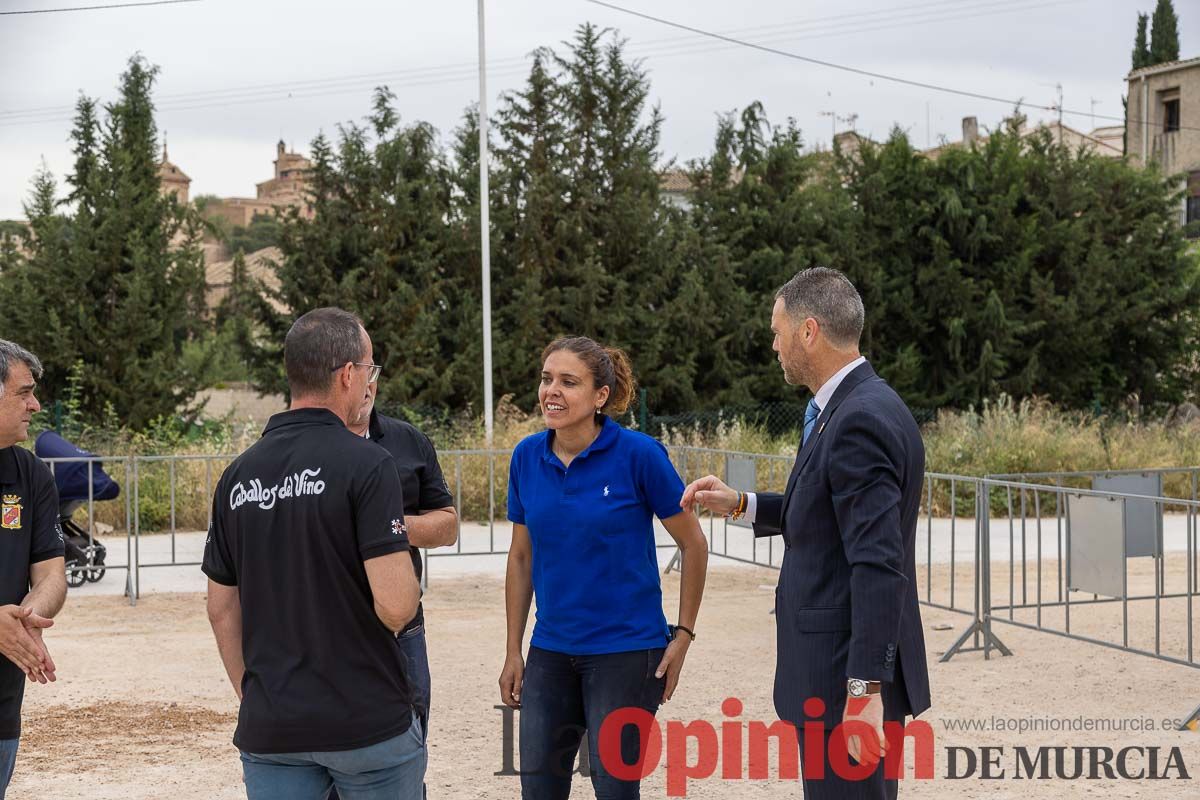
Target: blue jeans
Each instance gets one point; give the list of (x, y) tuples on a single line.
[(8, 760), (416, 669), (390, 770), (561, 697)]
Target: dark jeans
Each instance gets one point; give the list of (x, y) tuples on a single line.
[(416, 669), (8, 760), (561, 697)]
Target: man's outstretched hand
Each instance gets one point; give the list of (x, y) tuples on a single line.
[(710, 492)]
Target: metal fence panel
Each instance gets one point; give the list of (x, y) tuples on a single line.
[(1097, 555), (1143, 518)]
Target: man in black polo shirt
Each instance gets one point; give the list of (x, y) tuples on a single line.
[(33, 582), (309, 581), (429, 515)]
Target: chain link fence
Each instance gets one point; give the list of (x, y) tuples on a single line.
[(776, 419)]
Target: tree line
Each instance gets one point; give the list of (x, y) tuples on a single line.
[(1016, 265)]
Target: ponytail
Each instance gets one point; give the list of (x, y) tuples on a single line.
[(609, 366)]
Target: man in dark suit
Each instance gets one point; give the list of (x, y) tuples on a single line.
[(848, 623)]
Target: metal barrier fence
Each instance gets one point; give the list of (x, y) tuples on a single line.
[(1121, 548), (78, 573), (1073, 540), (167, 504), (743, 471), (1066, 546)]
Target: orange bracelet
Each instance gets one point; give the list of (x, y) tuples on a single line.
[(738, 512)]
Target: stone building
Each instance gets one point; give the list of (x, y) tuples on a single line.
[(290, 181), (172, 179), (1162, 125), (285, 190), (1099, 141)]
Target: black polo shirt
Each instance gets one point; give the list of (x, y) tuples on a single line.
[(294, 518), (420, 474), (29, 533)]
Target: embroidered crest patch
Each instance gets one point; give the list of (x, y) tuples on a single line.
[(10, 512)]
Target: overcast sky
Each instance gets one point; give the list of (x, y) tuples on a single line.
[(426, 51)]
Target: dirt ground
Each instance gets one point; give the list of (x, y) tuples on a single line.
[(142, 708)]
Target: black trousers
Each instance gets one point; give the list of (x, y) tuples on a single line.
[(835, 786)]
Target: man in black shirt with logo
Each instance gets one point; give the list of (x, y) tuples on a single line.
[(429, 515), (33, 582), (309, 581)]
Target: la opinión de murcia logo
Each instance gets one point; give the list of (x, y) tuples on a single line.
[(741, 750), (724, 745), (1067, 763), (296, 485)]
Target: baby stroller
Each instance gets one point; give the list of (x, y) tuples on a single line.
[(85, 555)]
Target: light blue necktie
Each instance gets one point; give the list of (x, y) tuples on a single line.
[(811, 412)]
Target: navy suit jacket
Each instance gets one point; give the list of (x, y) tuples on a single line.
[(846, 604)]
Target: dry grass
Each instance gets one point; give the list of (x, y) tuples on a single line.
[(1005, 437)]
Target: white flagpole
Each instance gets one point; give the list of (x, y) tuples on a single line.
[(485, 238)]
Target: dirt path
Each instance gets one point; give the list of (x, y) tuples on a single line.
[(143, 710)]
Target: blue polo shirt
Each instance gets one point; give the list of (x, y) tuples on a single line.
[(595, 571)]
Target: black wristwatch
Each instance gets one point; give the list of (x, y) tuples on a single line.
[(672, 628)]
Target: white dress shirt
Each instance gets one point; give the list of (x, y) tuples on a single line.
[(824, 395)]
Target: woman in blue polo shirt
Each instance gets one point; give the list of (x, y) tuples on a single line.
[(582, 496)]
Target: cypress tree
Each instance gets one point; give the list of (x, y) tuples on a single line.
[(1164, 34), (120, 275), (1141, 49)]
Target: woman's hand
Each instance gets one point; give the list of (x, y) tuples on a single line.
[(672, 664), (511, 678)]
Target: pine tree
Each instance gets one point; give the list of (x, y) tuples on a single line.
[(374, 246), (1164, 34), (529, 247), (765, 210), (120, 276), (585, 245), (1141, 50), (461, 337)]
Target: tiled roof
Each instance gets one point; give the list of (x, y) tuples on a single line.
[(1166, 66), (258, 266), (169, 172), (675, 180)]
